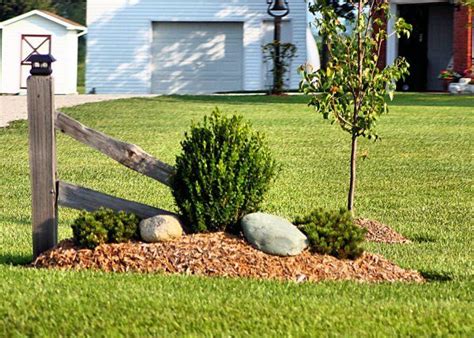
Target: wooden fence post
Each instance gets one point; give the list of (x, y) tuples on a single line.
[(42, 153)]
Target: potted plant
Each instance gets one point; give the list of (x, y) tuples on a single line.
[(448, 76), (469, 73)]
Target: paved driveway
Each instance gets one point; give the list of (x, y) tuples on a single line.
[(14, 107)]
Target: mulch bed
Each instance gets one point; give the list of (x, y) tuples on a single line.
[(219, 254), (378, 232)]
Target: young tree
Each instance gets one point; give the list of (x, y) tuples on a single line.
[(352, 90), (343, 9)]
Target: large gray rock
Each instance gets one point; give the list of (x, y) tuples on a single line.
[(273, 234), (160, 228)]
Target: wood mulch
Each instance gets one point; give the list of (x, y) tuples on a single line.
[(220, 254), (378, 232)]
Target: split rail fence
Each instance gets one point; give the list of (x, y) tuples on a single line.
[(48, 192)]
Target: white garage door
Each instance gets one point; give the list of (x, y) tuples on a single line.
[(191, 57)]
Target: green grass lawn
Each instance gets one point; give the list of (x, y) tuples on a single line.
[(418, 179)]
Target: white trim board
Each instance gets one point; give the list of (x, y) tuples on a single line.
[(56, 19)]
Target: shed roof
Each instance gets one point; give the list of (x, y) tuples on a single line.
[(68, 24)]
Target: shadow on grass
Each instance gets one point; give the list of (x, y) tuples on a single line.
[(434, 276), (422, 238), (18, 225), (14, 259), (433, 99), (17, 221), (236, 99), (401, 99)]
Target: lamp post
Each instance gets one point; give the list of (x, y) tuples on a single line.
[(277, 9)]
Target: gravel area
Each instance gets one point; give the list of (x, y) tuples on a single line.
[(14, 107), (378, 232)]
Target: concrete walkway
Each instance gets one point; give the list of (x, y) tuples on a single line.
[(14, 107)]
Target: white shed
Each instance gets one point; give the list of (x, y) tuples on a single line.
[(38, 32), (187, 46)]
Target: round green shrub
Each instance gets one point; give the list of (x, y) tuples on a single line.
[(223, 173), (333, 233), (91, 229)]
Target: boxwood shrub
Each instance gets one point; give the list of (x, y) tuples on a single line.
[(223, 172), (91, 229), (333, 233)]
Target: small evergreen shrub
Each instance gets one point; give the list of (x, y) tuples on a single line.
[(223, 173), (333, 233), (91, 229)]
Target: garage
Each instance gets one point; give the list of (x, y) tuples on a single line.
[(197, 57)]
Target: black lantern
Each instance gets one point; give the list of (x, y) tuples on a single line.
[(278, 8), (41, 64)]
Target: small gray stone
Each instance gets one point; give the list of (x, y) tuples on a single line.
[(160, 228), (273, 235)]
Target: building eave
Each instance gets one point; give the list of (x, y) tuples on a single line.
[(68, 24)]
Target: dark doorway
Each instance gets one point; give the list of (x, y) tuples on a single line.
[(415, 48), (440, 43)]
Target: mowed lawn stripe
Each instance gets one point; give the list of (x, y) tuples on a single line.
[(418, 180)]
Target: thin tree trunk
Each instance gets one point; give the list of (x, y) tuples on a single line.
[(324, 54), (350, 198), (357, 97)]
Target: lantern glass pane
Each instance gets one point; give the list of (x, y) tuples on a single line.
[(36, 65), (44, 65)]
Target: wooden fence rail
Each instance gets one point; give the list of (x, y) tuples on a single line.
[(130, 155), (76, 197), (48, 192)]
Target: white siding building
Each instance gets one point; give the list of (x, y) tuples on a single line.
[(38, 32), (186, 46)]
